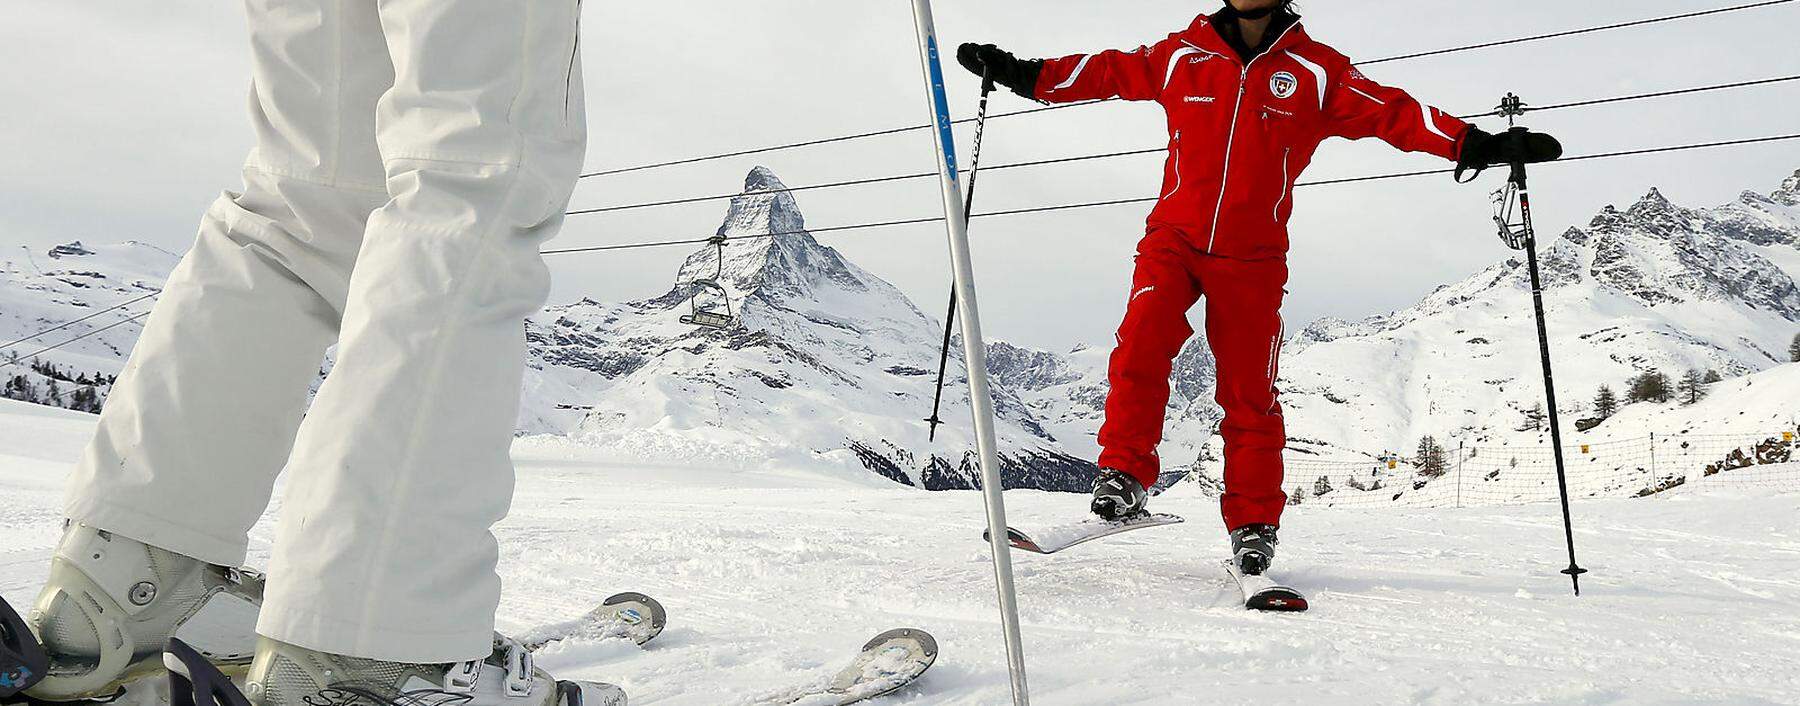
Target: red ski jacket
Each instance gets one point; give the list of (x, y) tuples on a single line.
[(1240, 134)]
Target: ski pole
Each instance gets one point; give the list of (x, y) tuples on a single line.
[(937, 400), (981, 399), (1512, 107)]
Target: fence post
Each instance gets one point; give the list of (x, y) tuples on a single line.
[(1655, 480), (1459, 465)]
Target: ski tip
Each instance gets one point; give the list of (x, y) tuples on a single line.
[(23, 662), (1017, 540), (636, 609), (1278, 601), (926, 644)]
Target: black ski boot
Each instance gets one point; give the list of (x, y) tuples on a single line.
[(1253, 548), (1118, 496)]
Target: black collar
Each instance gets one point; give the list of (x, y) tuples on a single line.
[(1225, 22)]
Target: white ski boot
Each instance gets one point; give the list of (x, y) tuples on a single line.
[(288, 675), (112, 602)]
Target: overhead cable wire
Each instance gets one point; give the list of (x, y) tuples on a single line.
[(1149, 199), (95, 332), (990, 214), (858, 226), (1028, 111), (1574, 32), (853, 182), (1419, 173), (1157, 150), (67, 324), (825, 141), (1657, 94)]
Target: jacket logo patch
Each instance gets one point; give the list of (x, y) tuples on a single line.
[(1283, 84), (1196, 99), (1200, 58)]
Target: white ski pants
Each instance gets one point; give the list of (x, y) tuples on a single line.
[(411, 157)]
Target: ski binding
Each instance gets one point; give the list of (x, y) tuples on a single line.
[(1264, 594), (1051, 540)]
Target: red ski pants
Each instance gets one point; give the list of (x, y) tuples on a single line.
[(1244, 328)]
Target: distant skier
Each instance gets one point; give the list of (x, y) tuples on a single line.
[(411, 156), (1249, 97)]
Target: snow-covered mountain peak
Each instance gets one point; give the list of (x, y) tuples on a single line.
[(1789, 193), (1653, 214), (768, 255), (1652, 285), (765, 206)]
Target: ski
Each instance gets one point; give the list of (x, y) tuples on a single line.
[(888, 663), (1263, 593), (1051, 540), (629, 615), (22, 659)]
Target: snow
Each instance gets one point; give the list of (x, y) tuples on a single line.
[(1650, 286), (40, 290), (833, 369), (775, 579)]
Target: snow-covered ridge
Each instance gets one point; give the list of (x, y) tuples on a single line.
[(832, 368), (44, 290), (1650, 286), (828, 364)]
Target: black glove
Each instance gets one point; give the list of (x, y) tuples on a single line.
[(1481, 150), (1004, 68)]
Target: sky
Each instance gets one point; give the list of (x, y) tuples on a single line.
[(123, 120)]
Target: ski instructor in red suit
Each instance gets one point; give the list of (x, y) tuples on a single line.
[(1249, 97)]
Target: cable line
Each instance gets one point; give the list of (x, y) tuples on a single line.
[(832, 229), (1157, 150), (1425, 172), (67, 324), (1028, 111), (856, 182), (1149, 199), (1658, 94), (825, 141), (1013, 212), (95, 332), (1573, 32)]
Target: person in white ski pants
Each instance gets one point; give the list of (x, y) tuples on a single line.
[(411, 156)]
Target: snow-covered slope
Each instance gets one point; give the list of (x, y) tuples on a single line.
[(1744, 433), (42, 290), (1652, 286), (1067, 394), (772, 578), (827, 365), (832, 368)]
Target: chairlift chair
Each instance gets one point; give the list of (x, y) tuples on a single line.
[(715, 313)]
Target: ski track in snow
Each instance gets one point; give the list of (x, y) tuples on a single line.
[(773, 581)]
